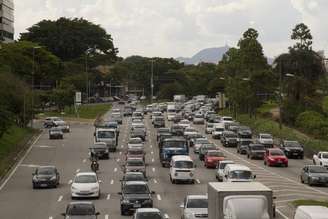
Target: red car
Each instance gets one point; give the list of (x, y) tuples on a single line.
[(275, 157), (212, 158)]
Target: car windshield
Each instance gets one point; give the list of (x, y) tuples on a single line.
[(149, 215), (135, 163), (136, 189), (223, 165), (85, 179), (207, 147), (174, 144), (80, 209), (159, 119), (240, 174), (245, 142), (266, 136), (325, 155), (292, 144), (202, 141), (276, 153), (258, 147), (184, 164), (231, 136), (134, 177), (219, 129), (215, 154), (199, 116), (210, 125), (164, 130), (318, 169), (135, 141), (106, 134), (197, 203), (46, 171)]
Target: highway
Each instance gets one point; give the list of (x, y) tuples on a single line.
[(70, 155)]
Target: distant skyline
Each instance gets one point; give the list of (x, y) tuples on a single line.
[(173, 28)]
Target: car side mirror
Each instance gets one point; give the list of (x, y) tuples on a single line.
[(226, 176), (153, 192), (94, 134), (195, 165), (254, 176), (63, 214), (181, 205), (120, 193), (97, 213), (100, 181)]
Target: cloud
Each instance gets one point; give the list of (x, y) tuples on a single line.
[(172, 28)]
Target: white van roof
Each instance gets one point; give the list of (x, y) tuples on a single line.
[(181, 158), (316, 212), (219, 125), (233, 167)]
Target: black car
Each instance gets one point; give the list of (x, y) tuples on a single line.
[(255, 151), (229, 139), (56, 133), (177, 130), (133, 176), (204, 148), (45, 177), (244, 132), (127, 111), (99, 150), (138, 133), (161, 131), (292, 149), (243, 144), (159, 122), (134, 195), (84, 210)]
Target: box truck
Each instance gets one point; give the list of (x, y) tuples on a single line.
[(240, 200)]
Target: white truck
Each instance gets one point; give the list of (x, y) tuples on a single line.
[(179, 98), (108, 136), (321, 158), (171, 112), (240, 200)]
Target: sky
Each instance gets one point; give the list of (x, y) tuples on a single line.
[(174, 28)]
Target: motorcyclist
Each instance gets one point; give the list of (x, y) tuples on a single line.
[(94, 163)]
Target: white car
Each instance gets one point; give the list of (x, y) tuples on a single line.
[(194, 207), (220, 169), (182, 168), (237, 173), (184, 123), (217, 131), (199, 119), (153, 213), (198, 143), (209, 127), (85, 185), (135, 143), (321, 158), (265, 139)]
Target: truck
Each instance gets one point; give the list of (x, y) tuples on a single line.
[(108, 136), (171, 112), (321, 158), (240, 200), (179, 98), (171, 147)]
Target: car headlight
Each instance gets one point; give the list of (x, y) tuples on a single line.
[(314, 177), (191, 174), (125, 201), (53, 178), (73, 188), (148, 201), (95, 188)]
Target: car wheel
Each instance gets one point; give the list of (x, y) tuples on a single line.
[(310, 182), (302, 181), (264, 163), (34, 186), (122, 211), (286, 165), (248, 156)]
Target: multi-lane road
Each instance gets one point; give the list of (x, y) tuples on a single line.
[(70, 155)]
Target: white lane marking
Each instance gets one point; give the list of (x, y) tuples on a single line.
[(112, 182), (166, 216), (43, 146), (108, 197), (63, 145), (78, 170), (159, 198), (19, 163), (154, 169), (197, 180), (155, 181), (60, 198), (70, 182), (120, 152), (50, 217), (152, 152), (279, 212), (118, 159), (122, 146), (115, 169), (106, 216), (84, 160), (151, 146), (153, 160)]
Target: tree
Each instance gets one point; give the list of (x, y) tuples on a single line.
[(70, 38), (303, 35)]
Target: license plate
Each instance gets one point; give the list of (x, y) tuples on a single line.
[(137, 205), (295, 154), (279, 161), (44, 185)]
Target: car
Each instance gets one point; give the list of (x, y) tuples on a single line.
[(321, 158), (314, 175), (135, 143), (177, 118), (134, 195), (45, 176), (194, 206), (135, 153), (182, 168), (204, 148), (49, 122), (209, 127), (135, 165), (62, 125), (311, 212), (265, 139), (159, 122), (217, 131), (127, 111), (242, 145), (292, 149), (220, 169), (184, 123), (188, 132), (274, 157), (133, 176), (198, 143), (244, 132), (138, 133), (198, 119), (229, 139), (56, 133), (148, 213), (193, 137), (99, 150), (212, 158), (160, 131), (85, 185), (255, 151), (237, 173), (177, 130), (84, 209)]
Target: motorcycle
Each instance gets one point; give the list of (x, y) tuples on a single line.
[(94, 166)]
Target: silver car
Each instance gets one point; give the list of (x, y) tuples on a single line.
[(194, 207)]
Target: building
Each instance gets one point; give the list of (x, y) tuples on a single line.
[(7, 20)]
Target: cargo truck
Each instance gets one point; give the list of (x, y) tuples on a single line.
[(240, 200)]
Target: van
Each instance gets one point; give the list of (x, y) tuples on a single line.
[(182, 168), (237, 173), (107, 135), (218, 130), (311, 212), (171, 112)]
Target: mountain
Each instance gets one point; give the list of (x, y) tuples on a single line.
[(209, 55)]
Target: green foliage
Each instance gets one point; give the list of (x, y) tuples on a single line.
[(70, 38), (303, 35), (325, 105), (64, 95), (167, 91), (313, 123)]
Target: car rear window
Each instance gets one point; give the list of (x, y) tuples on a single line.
[(80, 209), (197, 203)]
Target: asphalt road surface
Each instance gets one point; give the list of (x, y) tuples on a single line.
[(70, 155)]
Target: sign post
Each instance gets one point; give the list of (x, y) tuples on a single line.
[(78, 102)]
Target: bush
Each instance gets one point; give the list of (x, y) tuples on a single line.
[(312, 122)]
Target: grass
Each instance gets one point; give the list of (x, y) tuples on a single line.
[(267, 125), (310, 202), (11, 143), (85, 111), (266, 107)]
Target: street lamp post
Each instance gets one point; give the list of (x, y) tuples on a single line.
[(33, 72)]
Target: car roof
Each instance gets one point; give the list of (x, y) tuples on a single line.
[(197, 197), (136, 183), (50, 166), (86, 173), (133, 173), (80, 202), (232, 167), (142, 210), (181, 158), (227, 161), (314, 211), (106, 129)]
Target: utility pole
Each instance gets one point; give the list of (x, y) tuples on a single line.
[(33, 72), (280, 95), (86, 72), (152, 81)]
